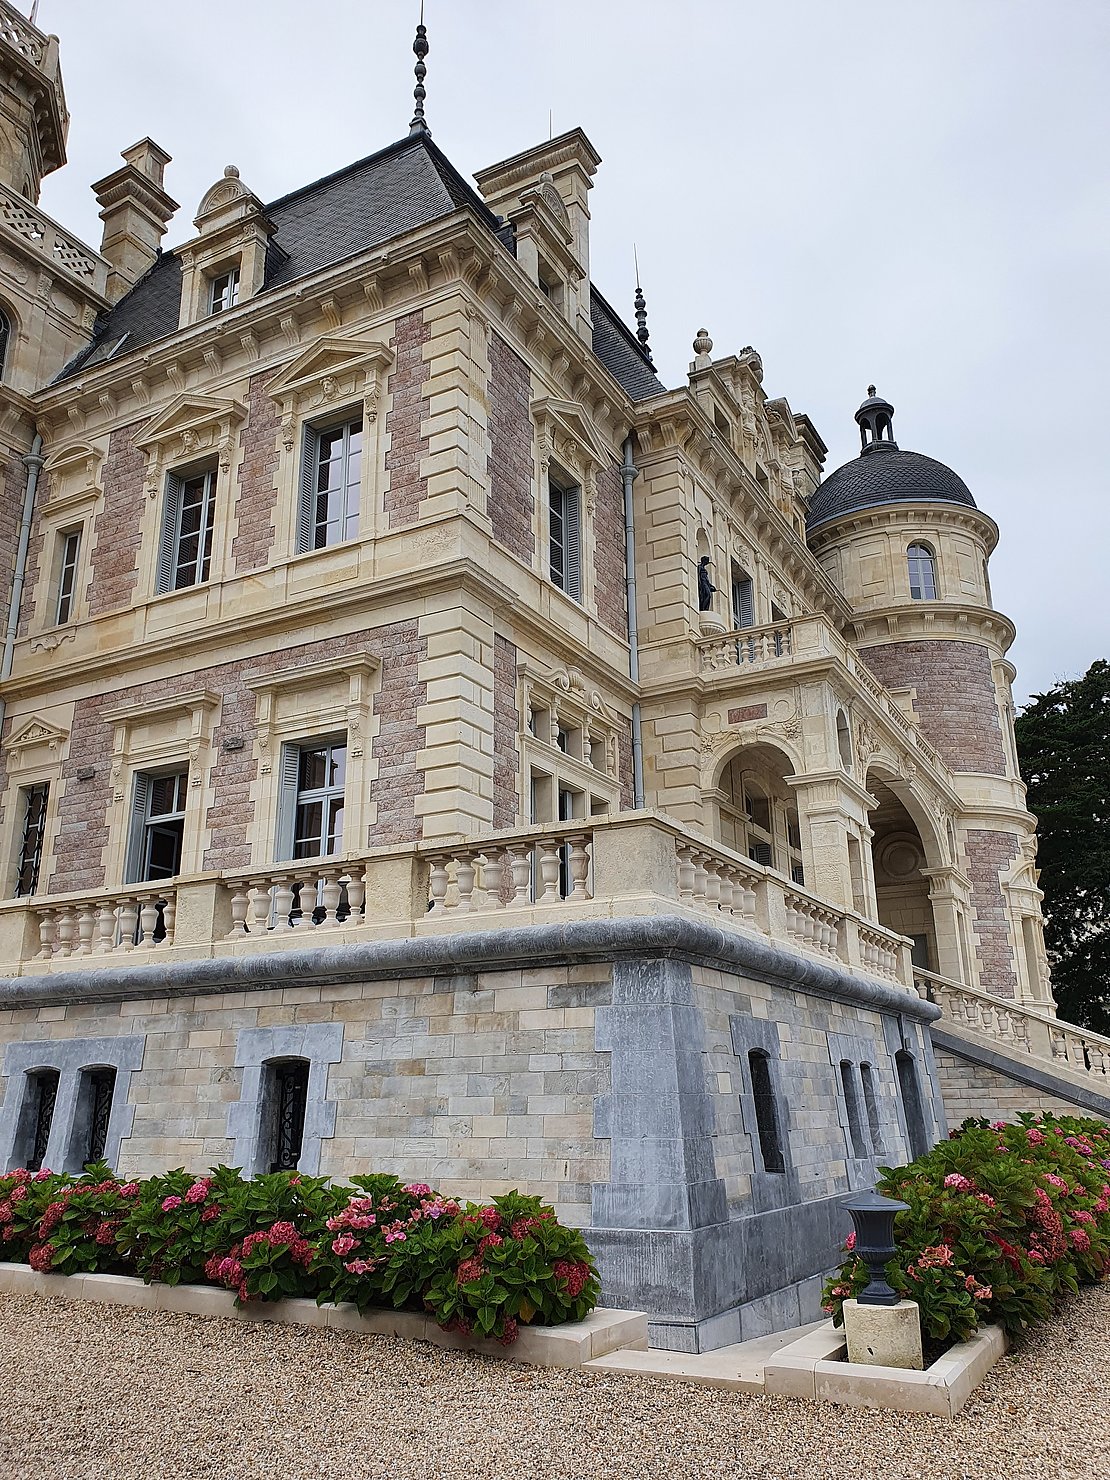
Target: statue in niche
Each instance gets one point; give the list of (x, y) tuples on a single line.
[(706, 587)]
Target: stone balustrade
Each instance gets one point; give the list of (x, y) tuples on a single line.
[(535, 868), (1018, 1025), (36, 229), (748, 647), (309, 895), (139, 919)]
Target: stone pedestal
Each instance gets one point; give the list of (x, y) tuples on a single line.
[(884, 1335)]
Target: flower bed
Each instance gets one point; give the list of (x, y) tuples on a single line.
[(474, 1269), (1004, 1222)]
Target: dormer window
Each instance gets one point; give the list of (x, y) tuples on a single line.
[(549, 284), (224, 291)]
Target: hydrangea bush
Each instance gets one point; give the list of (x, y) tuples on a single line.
[(481, 1270), (1004, 1221)]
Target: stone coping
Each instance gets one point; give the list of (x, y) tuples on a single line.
[(810, 1366), (573, 1345), (576, 942)]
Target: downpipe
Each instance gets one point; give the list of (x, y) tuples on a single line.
[(628, 474)]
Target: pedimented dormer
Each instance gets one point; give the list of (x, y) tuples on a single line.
[(568, 437), (226, 264), (332, 374), (191, 429)]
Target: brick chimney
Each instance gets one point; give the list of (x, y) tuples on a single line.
[(135, 210)]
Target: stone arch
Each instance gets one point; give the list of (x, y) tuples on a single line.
[(907, 843), (754, 807)]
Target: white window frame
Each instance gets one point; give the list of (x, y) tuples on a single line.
[(923, 567), (223, 290), (137, 868), (307, 523), (291, 798), (69, 558), (169, 552)]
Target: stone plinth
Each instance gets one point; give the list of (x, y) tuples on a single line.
[(884, 1335)]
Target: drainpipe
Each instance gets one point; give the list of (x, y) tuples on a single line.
[(628, 473), (33, 463)]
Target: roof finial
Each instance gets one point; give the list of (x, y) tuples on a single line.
[(876, 424), (640, 304), (420, 47)]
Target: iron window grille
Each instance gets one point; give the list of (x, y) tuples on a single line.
[(331, 486), (67, 576), (102, 1086), (288, 1102), (35, 799), (44, 1091)]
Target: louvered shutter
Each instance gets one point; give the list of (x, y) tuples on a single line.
[(743, 602), (306, 503), (572, 541), (288, 778), (167, 544), (136, 835)]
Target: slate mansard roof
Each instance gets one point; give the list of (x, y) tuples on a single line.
[(407, 185), (884, 474)]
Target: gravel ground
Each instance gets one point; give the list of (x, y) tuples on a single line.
[(90, 1392)]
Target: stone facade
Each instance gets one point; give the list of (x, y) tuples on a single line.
[(989, 853), (117, 531), (254, 534), (510, 472), (954, 698), (408, 406), (982, 1092)]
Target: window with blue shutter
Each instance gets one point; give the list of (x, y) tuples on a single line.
[(331, 485), (565, 537), (188, 521)]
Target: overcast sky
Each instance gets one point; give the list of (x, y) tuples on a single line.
[(914, 194)]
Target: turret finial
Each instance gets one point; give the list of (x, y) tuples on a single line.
[(640, 305), (875, 419), (420, 47)]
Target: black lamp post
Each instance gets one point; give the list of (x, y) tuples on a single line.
[(873, 1216)]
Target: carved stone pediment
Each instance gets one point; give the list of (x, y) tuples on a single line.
[(568, 435), (35, 743), (189, 428), (332, 372)]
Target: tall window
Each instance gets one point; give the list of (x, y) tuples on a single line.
[(851, 1104), (331, 486), (42, 1096), (871, 1101), (766, 1111), (923, 577), (910, 1089), (5, 340), (97, 1091), (761, 839), (224, 292), (565, 538), (158, 825), (67, 575), (284, 1102), (186, 555), (313, 781), (743, 598), (34, 799)]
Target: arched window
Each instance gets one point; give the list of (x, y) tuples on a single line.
[(766, 1112), (851, 1104), (910, 1089), (871, 1100), (5, 340), (923, 575)]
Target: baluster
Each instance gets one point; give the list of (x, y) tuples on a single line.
[(48, 930), (105, 927), (549, 872), (520, 866), (330, 895), (260, 906), (356, 897), (283, 903), (148, 921), (67, 932), (685, 860), (127, 912), (726, 885), (497, 878), (438, 880), (86, 928), (464, 881), (479, 898), (712, 886), (169, 917), (701, 880), (579, 869), (240, 907)]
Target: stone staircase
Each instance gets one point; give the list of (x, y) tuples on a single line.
[(995, 1056)]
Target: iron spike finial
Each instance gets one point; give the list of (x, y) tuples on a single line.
[(640, 305), (420, 47)]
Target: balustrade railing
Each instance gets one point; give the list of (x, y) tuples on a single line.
[(23, 37), (813, 925), (309, 895), (543, 869), (47, 237), (709, 881), (133, 920), (747, 647), (1017, 1024)]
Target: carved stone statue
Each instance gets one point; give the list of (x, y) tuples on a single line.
[(706, 587)]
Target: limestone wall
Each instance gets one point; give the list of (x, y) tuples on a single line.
[(979, 1090)]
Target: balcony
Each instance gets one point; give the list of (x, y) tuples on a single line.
[(29, 228), (633, 865)]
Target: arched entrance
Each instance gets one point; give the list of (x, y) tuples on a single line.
[(899, 858), (757, 810)]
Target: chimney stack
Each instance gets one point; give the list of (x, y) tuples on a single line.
[(135, 210)]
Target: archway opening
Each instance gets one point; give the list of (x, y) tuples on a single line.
[(757, 809), (901, 888)]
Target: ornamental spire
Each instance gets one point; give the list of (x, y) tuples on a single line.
[(640, 305), (420, 47)]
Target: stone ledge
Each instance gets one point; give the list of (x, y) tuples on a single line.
[(573, 1345)]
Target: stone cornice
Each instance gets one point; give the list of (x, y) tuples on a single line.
[(575, 942), (916, 513), (933, 621)]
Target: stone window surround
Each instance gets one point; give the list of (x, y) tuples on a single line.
[(332, 379), (855, 1051), (901, 1034), (564, 694), (191, 434), (74, 492), (33, 756), (769, 1189), (296, 705), (70, 1058), (143, 741), (568, 447), (322, 1045)]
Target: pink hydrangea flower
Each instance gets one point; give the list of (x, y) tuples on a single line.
[(1035, 1137), (198, 1191), (1081, 1240), (419, 1189), (958, 1182), (129, 1189), (984, 1292), (43, 1176), (344, 1245), (169, 1204)]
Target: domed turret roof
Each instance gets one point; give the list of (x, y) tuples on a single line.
[(883, 473)]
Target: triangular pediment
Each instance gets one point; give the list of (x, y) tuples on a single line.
[(566, 421), (192, 414), (335, 358), (37, 733)]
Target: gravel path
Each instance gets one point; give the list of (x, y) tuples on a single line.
[(91, 1392)]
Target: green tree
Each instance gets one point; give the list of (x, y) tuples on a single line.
[(1064, 747)]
